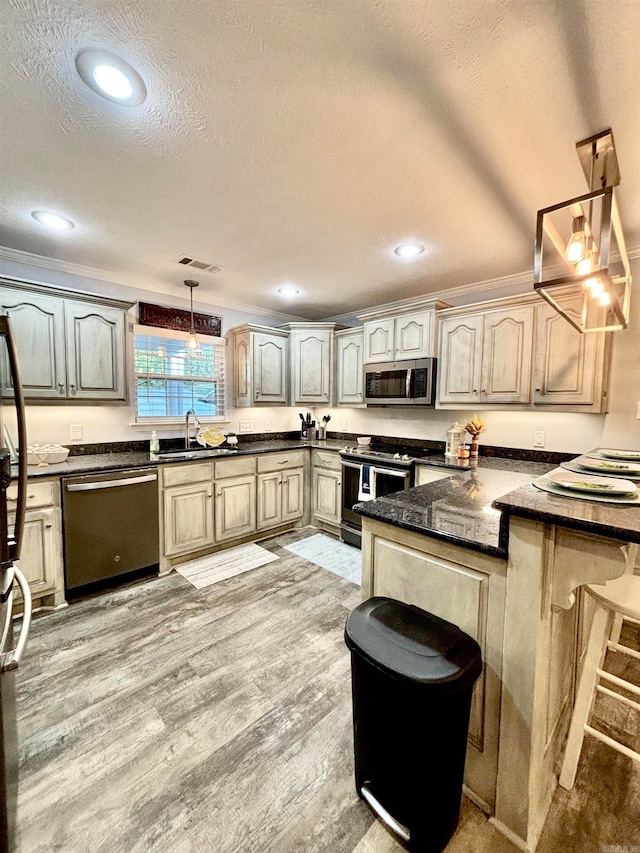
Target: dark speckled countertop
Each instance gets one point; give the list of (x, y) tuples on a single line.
[(458, 509), (96, 462)]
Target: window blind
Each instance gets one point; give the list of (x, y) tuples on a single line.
[(171, 379)]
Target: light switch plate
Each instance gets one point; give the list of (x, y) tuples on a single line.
[(539, 438), (75, 432)]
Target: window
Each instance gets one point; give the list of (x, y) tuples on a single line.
[(171, 379)]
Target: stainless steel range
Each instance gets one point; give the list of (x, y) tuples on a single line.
[(369, 473)]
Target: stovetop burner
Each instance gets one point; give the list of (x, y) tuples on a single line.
[(394, 455)]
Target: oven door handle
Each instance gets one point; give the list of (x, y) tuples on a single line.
[(351, 465), (391, 472)]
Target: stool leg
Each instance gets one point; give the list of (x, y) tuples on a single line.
[(616, 630), (594, 658)]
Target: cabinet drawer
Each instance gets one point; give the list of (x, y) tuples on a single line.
[(326, 459), (38, 494), (235, 467), (280, 461), (182, 475)]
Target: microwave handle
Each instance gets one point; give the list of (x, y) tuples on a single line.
[(408, 385)]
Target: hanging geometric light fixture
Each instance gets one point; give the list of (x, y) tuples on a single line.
[(587, 237), (192, 340)]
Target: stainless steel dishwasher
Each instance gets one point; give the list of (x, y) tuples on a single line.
[(110, 525)]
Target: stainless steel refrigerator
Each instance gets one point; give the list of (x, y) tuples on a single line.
[(11, 530)]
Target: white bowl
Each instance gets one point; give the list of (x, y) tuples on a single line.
[(364, 440), (49, 453)]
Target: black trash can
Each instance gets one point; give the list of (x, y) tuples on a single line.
[(412, 676)]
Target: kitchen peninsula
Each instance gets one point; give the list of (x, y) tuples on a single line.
[(488, 551)]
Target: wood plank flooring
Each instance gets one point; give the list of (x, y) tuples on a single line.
[(164, 718)]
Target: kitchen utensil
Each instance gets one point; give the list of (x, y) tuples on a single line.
[(594, 485), (326, 419), (209, 437), (46, 454), (364, 440)]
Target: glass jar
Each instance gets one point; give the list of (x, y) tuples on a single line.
[(456, 436)]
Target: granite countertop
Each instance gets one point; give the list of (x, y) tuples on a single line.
[(96, 462)]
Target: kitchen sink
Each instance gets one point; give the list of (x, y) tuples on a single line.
[(195, 454)]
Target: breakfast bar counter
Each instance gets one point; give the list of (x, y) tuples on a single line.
[(488, 551)]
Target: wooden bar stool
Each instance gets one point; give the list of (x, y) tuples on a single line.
[(616, 599)]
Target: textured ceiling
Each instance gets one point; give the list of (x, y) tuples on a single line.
[(301, 140)]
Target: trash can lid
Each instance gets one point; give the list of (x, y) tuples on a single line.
[(410, 643)]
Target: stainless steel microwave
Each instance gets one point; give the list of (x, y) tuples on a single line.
[(401, 383)]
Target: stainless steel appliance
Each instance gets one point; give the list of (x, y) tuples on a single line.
[(10, 575), (401, 383), (110, 526), (369, 473)]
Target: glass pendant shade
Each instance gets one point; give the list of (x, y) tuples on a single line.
[(192, 339)]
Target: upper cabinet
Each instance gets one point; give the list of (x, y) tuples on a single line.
[(350, 375), (312, 363), (570, 369), (519, 351), (69, 349), (260, 365), (395, 334)]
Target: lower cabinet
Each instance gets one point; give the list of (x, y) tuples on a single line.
[(326, 491), (188, 518), (235, 507), (280, 497), (41, 559)]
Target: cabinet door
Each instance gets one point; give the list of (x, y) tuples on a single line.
[(379, 341), (460, 359), (312, 366), (350, 370), (242, 369), (40, 560), (327, 495), (188, 518), (292, 494), (95, 351), (269, 500), (569, 367), (269, 368), (235, 507), (38, 326), (414, 335), (507, 343)]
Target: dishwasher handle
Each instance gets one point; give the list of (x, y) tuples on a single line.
[(110, 484)]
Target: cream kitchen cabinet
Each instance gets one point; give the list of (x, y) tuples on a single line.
[(326, 487), (570, 369), (485, 356), (280, 485), (430, 474), (187, 504), (41, 557), (312, 359), (400, 333), (260, 365), (69, 349), (235, 498), (350, 373)]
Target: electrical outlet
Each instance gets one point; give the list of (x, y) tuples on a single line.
[(75, 432), (268, 425), (343, 426), (246, 426), (539, 438)]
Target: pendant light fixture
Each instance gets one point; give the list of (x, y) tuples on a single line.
[(192, 340), (593, 252)]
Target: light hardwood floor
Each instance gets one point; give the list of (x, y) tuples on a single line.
[(164, 718)]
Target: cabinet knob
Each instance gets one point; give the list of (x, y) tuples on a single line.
[(219, 494), (257, 393), (484, 390), (61, 387), (73, 387), (48, 526), (540, 391), (475, 390)]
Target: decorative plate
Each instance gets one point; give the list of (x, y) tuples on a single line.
[(209, 437), (593, 485), (631, 455), (604, 466)]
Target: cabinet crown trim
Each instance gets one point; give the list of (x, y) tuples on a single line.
[(64, 293), (397, 309), (253, 327)]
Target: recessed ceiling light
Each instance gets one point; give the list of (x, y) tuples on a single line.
[(111, 77), (288, 290), (53, 220), (409, 250)]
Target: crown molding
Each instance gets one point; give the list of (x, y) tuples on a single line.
[(70, 268)]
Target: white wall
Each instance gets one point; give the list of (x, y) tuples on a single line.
[(571, 433)]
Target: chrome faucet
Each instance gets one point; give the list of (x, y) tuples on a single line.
[(196, 424)]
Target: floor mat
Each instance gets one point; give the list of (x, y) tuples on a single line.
[(330, 554), (225, 564)]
